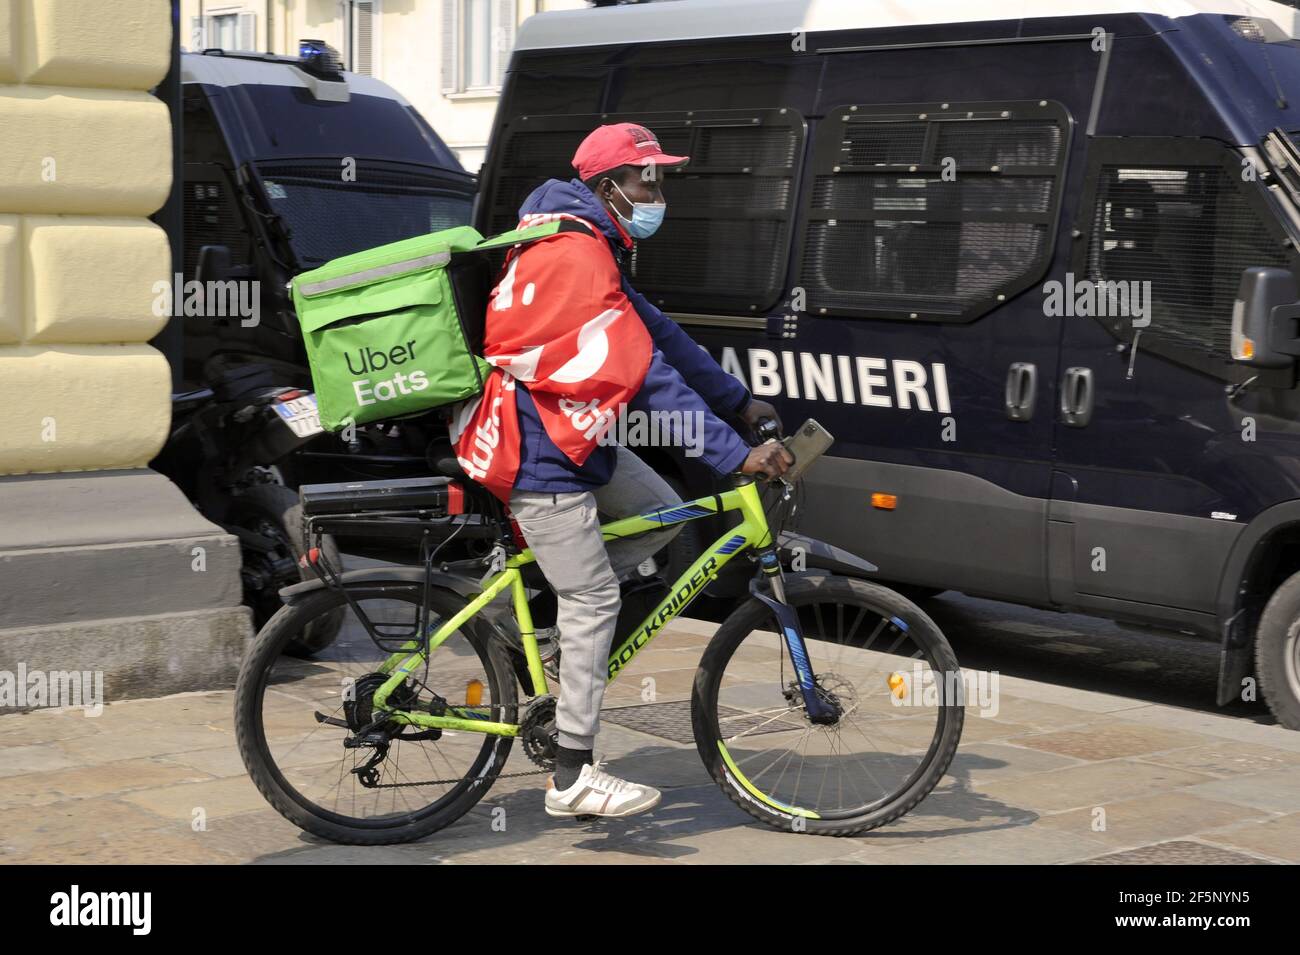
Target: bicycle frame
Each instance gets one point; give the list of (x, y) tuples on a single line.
[(752, 531)]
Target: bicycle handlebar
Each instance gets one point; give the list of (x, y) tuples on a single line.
[(766, 429)]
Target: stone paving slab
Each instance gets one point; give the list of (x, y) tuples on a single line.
[(1177, 852), (1277, 790), (1058, 775), (1106, 740), (1149, 819), (1277, 837)]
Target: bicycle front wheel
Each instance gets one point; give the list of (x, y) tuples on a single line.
[(879, 660), (322, 756)]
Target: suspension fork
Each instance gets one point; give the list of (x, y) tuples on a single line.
[(819, 711), (751, 506)]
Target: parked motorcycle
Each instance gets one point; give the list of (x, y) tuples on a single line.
[(225, 452)]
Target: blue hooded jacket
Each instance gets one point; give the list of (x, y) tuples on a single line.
[(675, 361)]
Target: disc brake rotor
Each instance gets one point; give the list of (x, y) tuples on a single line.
[(359, 711)]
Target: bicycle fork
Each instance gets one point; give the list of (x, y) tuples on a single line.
[(819, 710)]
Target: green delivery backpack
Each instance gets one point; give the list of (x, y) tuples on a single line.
[(397, 329)]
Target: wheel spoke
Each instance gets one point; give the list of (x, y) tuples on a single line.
[(875, 748), (318, 773)]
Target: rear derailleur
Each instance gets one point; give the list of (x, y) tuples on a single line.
[(376, 732)]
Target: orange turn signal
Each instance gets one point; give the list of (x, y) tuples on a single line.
[(885, 502)]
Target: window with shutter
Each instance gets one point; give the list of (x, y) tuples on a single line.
[(221, 31), (503, 39), (726, 239), (1176, 214), (478, 41), (450, 38), (362, 37), (247, 41), (931, 211), (477, 37)]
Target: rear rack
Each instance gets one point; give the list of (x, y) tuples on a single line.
[(425, 514), (409, 509)]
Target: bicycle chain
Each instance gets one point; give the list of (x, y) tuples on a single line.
[(442, 782)]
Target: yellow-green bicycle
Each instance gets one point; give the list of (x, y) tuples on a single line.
[(823, 704)]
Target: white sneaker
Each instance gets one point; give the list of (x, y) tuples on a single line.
[(597, 793)]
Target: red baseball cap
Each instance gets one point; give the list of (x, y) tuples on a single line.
[(620, 144)]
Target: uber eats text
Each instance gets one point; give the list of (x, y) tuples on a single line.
[(376, 361)]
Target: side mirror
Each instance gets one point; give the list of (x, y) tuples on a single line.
[(1264, 318), (213, 264)]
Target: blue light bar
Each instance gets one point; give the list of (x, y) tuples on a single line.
[(319, 57)]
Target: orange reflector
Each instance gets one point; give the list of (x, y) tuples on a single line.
[(897, 685), (886, 502), (1247, 348), (474, 692)]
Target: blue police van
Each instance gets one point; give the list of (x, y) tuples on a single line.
[(1032, 264), (288, 162)]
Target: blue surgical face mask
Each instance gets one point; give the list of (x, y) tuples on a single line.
[(646, 219)]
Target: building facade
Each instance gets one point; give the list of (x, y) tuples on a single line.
[(105, 567), (446, 57)]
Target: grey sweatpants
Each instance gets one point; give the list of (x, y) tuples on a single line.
[(563, 530)]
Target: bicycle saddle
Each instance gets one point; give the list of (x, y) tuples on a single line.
[(442, 458)]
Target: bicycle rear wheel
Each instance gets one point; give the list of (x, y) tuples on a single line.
[(293, 717), (886, 666)]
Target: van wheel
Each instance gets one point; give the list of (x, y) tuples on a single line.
[(1277, 653)]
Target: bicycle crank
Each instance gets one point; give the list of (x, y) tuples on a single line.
[(538, 732)]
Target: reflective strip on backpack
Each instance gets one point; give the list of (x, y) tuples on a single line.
[(432, 260)]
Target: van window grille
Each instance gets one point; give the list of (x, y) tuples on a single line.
[(885, 144), (1011, 143), (931, 211), (1190, 232), (546, 149), (724, 243), (211, 216)]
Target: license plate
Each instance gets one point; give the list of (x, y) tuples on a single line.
[(301, 415)]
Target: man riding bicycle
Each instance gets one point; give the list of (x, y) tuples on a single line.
[(575, 346)]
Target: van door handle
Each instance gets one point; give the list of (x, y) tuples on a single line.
[(1076, 397), (1022, 387)]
